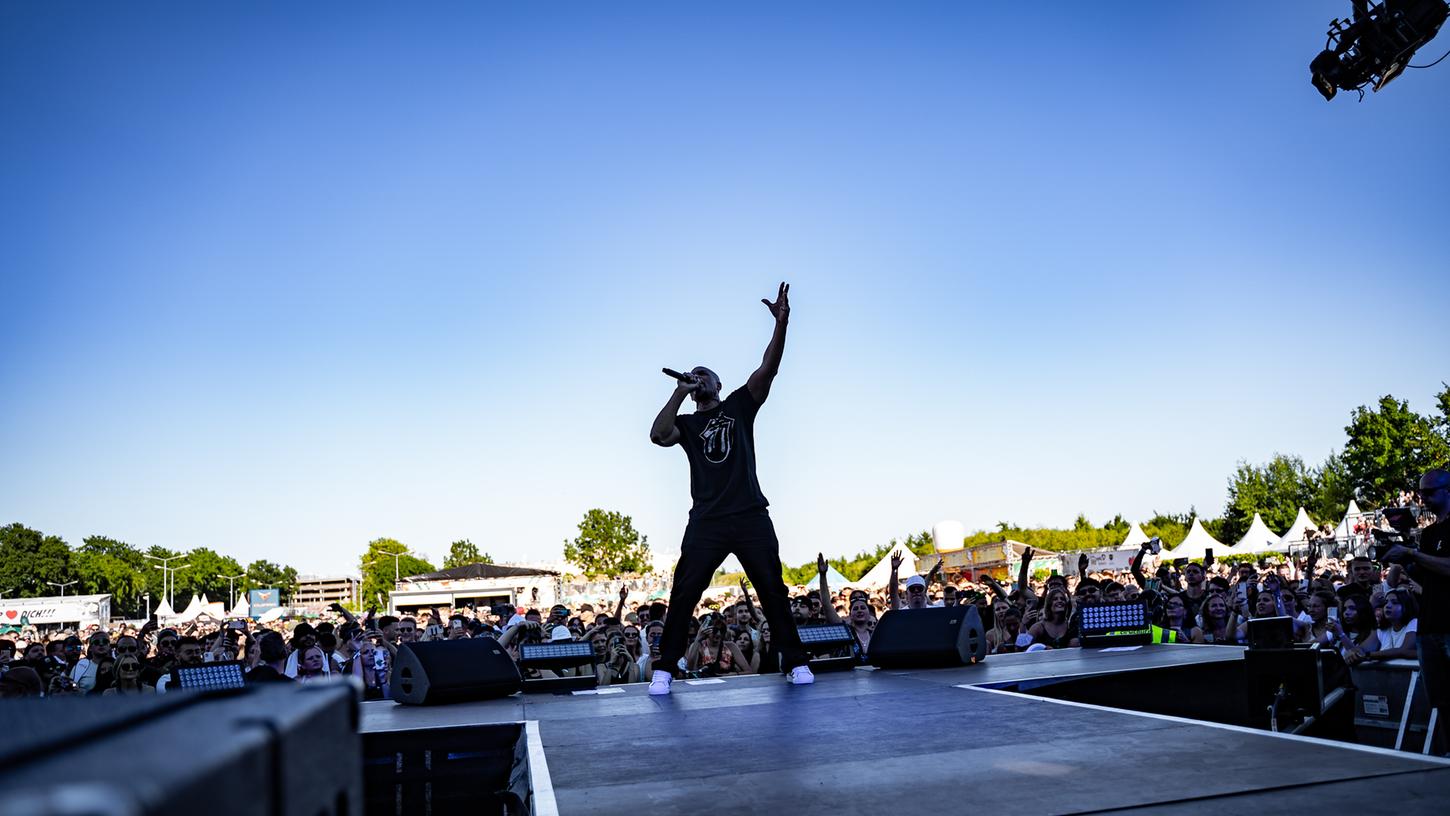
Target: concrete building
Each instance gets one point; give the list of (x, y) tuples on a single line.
[(477, 585), (316, 592)]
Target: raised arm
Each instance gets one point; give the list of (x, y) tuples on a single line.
[(996, 588), (891, 585), (827, 606), (1023, 585), (1136, 567), (760, 380), (749, 604), (663, 432), (619, 610)]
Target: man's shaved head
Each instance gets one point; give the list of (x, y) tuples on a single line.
[(1435, 491)]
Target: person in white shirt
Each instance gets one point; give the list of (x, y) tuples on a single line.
[(1398, 641)]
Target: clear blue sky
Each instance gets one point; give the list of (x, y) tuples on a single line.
[(280, 281)]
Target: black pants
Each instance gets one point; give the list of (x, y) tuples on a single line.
[(751, 537)]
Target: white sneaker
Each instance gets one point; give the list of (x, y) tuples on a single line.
[(659, 682), (799, 676)]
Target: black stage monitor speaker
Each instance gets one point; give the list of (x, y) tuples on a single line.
[(453, 671), (930, 638)]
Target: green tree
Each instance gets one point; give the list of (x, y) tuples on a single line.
[(1390, 446), (608, 545), (1275, 491), (107, 566), (267, 575), (378, 569), (29, 559), (203, 575), (463, 552), (1333, 489)]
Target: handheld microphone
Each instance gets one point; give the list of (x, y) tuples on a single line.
[(677, 375)]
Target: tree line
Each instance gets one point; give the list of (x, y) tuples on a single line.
[(34, 564), (1387, 446)]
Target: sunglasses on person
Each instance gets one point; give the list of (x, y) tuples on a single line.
[(127, 649), (631, 636), (915, 589)]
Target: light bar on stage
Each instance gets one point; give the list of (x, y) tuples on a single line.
[(225, 674), (1115, 623)]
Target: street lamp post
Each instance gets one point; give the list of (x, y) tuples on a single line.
[(397, 576), (395, 556), (168, 574), (232, 586), (63, 586)]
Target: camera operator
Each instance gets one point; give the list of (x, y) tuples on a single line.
[(1429, 565)]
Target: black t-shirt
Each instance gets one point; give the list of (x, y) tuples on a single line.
[(263, 673), (720, 444), (1435, 599)]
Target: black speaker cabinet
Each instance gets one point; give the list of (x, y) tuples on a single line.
[(453, 671), (930, 638)]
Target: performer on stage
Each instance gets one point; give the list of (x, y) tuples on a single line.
[(729, 513)]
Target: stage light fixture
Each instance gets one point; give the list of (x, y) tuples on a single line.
[(819, 639), (218, 676), (562, 655), (1375, 45), (1115, 623)]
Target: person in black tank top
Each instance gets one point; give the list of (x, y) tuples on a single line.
[(728, 514)]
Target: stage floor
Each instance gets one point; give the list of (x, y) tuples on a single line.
[(876, 741)]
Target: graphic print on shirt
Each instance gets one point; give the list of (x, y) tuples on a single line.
[(717, 439)]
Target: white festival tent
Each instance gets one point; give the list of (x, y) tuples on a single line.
[(164, 612), (1259, 539), (1196, 545), (881, 573), (1135, 538), (1352, 516), (196, 607), (273, 614), (1294, 536), (242, 609)]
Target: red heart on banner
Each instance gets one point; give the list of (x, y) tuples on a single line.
[(11, 614)]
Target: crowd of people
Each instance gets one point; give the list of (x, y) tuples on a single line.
[(1354, 606)]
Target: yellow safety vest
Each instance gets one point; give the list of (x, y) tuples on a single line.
[(1159, 632)]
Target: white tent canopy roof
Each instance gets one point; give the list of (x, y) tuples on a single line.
[(1295, 533), (1197, 544), (242, 609), (1259, 538), (1346, 525), (1135, 538), (196, 607), (878, 575), (164, 610)]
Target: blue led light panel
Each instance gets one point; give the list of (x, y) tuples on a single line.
[(554, 651), (211, 676), (829, 633)]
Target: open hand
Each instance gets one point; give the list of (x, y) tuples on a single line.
[(1082, 565), (780, 309), (821, 563), (623, 593), (896, 559)]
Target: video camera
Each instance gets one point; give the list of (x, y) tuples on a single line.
[(1376, 45), (1404, 530)]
